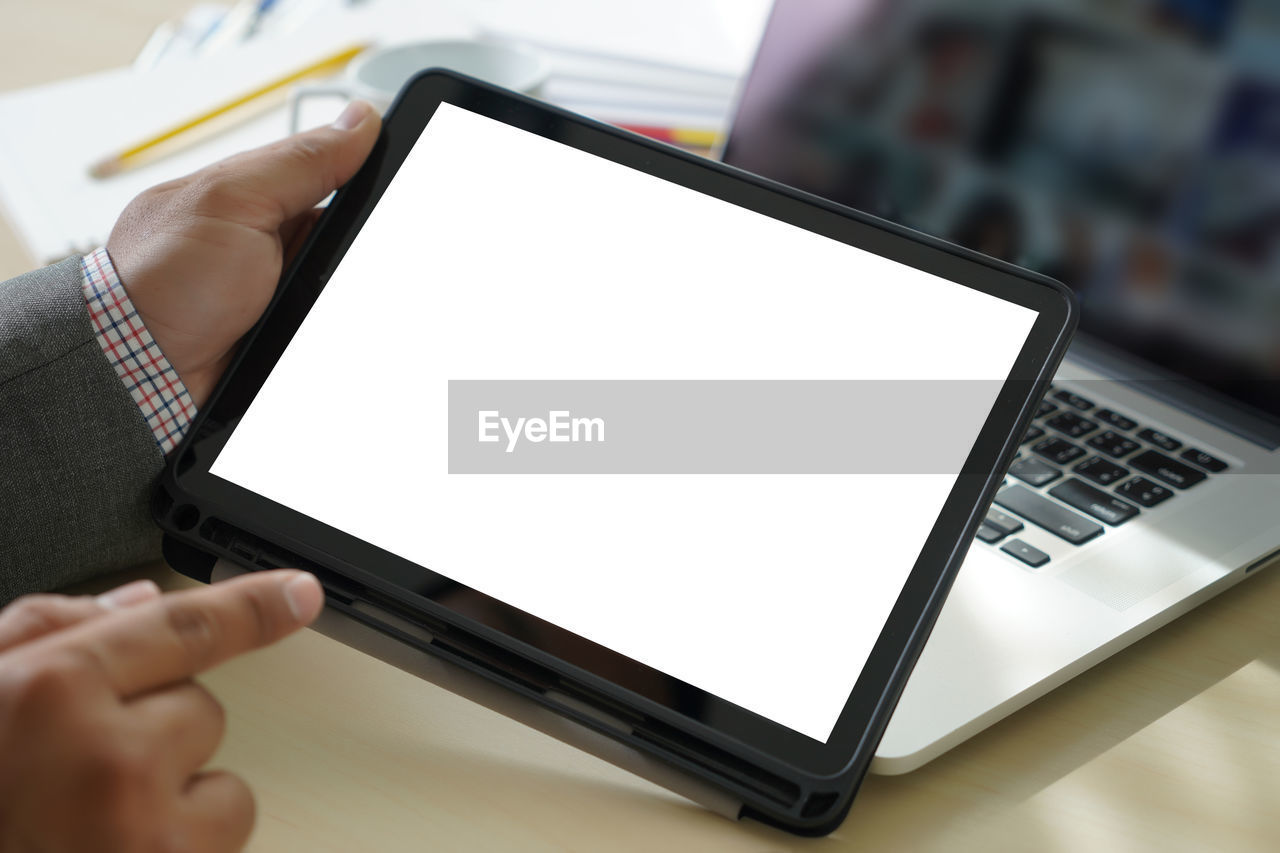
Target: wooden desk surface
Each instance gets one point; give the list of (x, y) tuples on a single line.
[(1172, 744)]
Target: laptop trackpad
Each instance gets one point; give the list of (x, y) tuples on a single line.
[(1143, 562)]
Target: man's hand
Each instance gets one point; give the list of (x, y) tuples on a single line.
[(200, 257), (104, 733)]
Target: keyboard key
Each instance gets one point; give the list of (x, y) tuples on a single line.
[(1045, 408), (1204, 460), (989, 534), (1005, 523), (1101, 471), (1144, 492), (1034, 471), (1113, 444), (1160, 440), (1057, 450), (1043, 512), (1071, 424), (1073, 400), (1167, 470), (1114, 419), (1093, 501), (1033, 557), (1033, 432)]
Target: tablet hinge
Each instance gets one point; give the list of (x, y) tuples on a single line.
[(552, 687), (582, 701), (724, 764), (587, 709)]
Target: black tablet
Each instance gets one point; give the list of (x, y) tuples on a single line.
[(613, 422)]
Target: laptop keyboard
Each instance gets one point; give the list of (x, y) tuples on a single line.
[(1083, 470)]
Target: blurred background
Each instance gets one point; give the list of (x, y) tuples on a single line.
[(82, 83), (1130, 148)]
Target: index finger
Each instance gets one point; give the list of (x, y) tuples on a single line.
[(185, 633)]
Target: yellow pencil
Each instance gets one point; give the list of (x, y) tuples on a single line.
[(183, 133)]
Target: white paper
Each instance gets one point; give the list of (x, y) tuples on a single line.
[(54, 133)]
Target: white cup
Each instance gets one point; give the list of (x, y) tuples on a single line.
[(376, 76)]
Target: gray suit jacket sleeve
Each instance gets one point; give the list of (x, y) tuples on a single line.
[(77, 459)]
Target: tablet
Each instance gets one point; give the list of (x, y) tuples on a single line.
[(684, 454)]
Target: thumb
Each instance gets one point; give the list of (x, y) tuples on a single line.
[(295, 174)]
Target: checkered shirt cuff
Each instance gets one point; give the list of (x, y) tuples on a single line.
[(151, 381)]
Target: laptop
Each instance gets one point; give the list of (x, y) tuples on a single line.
[(1132, 150)]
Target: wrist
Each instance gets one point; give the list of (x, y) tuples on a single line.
[(200, 383), (152, 382)]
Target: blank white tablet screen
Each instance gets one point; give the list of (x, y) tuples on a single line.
[(496, 254)]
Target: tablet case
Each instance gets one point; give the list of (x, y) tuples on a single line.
[(392, 642), (495, 677)]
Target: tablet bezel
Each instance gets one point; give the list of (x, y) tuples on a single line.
[(201, 508)]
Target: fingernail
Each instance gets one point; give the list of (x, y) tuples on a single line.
[(305, 597), (128, 595), (352, 115)]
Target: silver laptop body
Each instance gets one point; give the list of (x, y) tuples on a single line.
[(1129, 150)]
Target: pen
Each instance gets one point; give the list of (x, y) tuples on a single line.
[(234, 26), (264, 7), (160, 42)]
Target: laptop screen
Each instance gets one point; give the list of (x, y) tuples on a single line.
[(1130, 149), (611, 401)]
